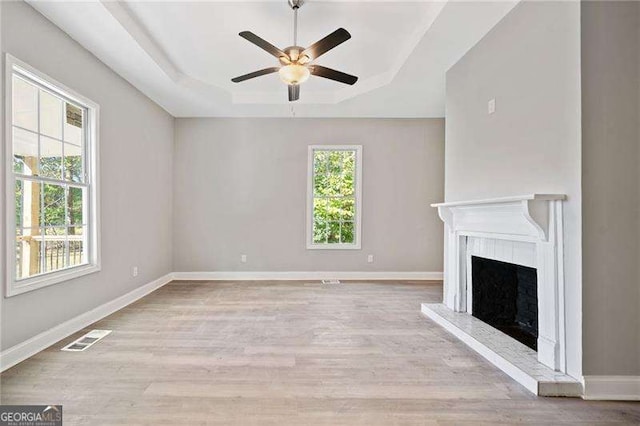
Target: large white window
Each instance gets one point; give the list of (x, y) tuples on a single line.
[(334, 197), (51, 196)]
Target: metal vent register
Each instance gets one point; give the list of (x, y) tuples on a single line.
[(86, 341)]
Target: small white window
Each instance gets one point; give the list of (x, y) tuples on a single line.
[(334, 197), (51, 197)]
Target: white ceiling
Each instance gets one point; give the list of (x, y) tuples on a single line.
[(184, 54)]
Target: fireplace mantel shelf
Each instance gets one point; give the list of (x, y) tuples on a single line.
[(501, 200), (526, 216)]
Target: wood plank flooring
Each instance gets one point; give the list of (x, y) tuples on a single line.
[(286, 353)]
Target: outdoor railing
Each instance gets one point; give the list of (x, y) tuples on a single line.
[(54, 255)]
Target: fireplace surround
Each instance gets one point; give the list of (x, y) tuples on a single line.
[(521, 230)]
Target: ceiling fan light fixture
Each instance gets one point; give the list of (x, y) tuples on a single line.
[(294, 74), (296, 62)]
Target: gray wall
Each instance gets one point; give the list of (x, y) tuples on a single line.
[(240, 188), (530, 63), (136, 142), (611, 187)]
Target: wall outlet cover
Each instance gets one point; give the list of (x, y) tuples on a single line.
[(491, 106)]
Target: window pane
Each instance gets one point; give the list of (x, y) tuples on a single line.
[(18, 263), (28, 249), (334, 185), (335, 173), (55, 253), (19, 194), (25, 104), (320, 231), (320, 207), (75, 206), (349, 162), (27, 194), (50, 158), (348, 173), (73, 164), (321, 184), (347, 208), (346, 233), (320, 162), (335, 209), (76, 237), (347, 188), (25, 152), (335, 162), (50, 115), (73, 121), (334, 232), (54, 204)]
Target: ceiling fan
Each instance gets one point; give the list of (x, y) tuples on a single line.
[(296, 62)]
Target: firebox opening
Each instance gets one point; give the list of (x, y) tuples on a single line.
[(505, 296)]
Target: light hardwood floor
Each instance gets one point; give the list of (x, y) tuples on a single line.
[(286, 353)]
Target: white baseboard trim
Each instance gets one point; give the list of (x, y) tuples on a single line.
[(305, 275), (620, 388), (32, 346)]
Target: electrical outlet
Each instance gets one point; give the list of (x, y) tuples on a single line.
[(243, 258), (134, 271), (370, 258), (491, 106)]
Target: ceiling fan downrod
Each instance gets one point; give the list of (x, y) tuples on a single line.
[(295, 5)]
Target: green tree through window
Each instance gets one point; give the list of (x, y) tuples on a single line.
[(334, 196)]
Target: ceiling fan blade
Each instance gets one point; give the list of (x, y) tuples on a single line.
[(332, 74), (263, 44), (294, 92), (255, 74), (321, 47)]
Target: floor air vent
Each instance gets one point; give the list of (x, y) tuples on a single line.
[(86, 341), (330, 281)]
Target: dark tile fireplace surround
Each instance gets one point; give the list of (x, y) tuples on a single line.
[(505, 296)]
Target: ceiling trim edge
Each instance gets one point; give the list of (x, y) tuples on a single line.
[(149, 45)]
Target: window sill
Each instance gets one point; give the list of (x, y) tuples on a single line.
[(14, 288), (333, 247)]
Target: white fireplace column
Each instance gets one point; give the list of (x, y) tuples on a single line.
[(534, 219)]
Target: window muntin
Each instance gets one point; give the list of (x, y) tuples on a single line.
[(334, 208), (51, 147)]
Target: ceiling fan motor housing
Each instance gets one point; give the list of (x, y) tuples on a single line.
[(294, 56), (296, 4)]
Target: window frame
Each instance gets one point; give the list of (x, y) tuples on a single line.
[(357, 245), (91, 146)]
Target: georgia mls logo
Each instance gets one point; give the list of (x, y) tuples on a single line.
[(30, 415)]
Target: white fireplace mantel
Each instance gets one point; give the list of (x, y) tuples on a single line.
[(532, 221), (522, 216)]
